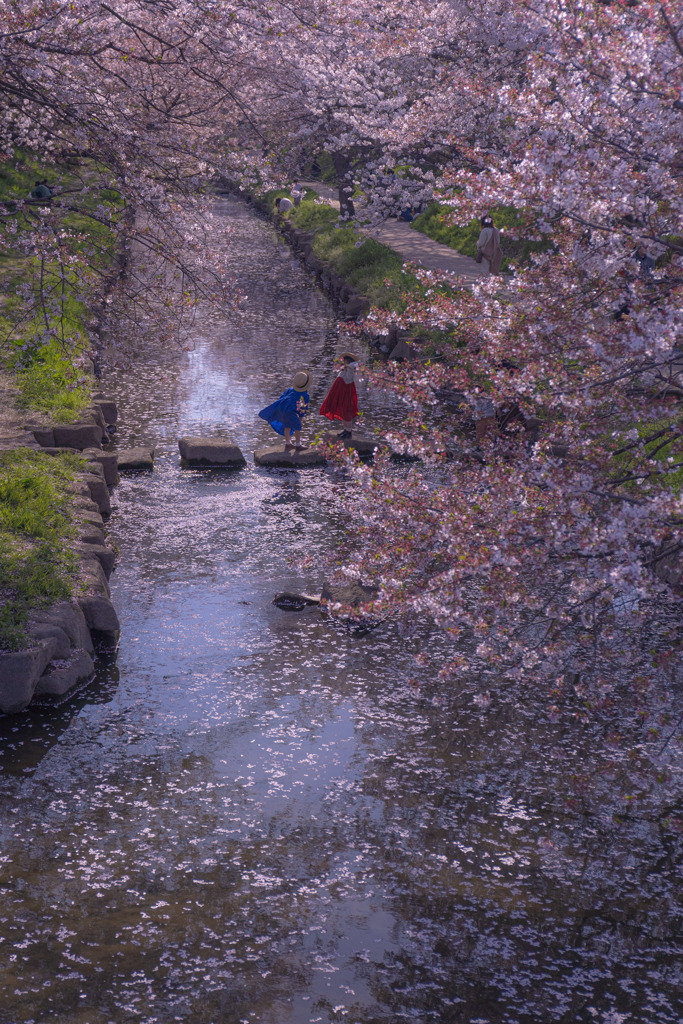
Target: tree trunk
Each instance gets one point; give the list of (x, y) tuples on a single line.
[(342, 166)]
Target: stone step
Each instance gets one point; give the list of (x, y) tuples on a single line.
[(289, 457), (210, 451), (135, 459)]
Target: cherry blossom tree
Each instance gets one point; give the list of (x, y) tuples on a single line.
[(537, 554), (540, 555), (139, 95)]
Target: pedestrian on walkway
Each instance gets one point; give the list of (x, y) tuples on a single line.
[(285, 414), (488, 245), (341, 402)]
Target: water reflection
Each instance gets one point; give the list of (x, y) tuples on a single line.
[(269, 819)]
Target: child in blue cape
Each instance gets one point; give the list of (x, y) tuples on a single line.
[(286, 413)]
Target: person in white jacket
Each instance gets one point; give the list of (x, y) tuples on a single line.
[(488, 245)]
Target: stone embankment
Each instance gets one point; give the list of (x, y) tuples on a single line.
[(64, 638), (350, 303)]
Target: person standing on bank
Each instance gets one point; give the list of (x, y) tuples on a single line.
[(341, 402), (285, 414), (488, 245)]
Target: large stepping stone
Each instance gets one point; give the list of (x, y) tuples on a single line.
[(210, 451), (365, 446), (289, 457), (135, 458)]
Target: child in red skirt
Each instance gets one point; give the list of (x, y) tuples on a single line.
[(342, 402)]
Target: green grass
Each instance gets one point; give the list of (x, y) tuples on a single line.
[(372, 269), (630, 461), (434, 223), (40, 344), (37, 521), (50, 384)]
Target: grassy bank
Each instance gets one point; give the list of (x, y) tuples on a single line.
[(435, 223), (370, 268), (45, 310), (37, 527)]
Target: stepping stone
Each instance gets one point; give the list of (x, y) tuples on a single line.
[(210, 451), (135, 458), (365, 446), (281, 456)]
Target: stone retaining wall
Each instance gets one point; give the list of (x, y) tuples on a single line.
[(64, 638), (352, 305)]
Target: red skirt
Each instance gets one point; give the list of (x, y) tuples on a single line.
[(341, 402)]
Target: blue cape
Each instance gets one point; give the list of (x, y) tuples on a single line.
[(285, 412)]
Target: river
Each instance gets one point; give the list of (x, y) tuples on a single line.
[(253, 815)]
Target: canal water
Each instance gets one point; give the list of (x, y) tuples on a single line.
[(256, 816)]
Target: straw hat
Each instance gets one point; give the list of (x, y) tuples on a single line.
[(301, 380), (350, 355)]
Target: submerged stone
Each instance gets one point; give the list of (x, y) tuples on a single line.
[(365, 446), (289, 457), (210, 451), (135, 458)]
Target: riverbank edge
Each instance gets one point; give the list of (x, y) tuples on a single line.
[(63, 639), (350, 303)]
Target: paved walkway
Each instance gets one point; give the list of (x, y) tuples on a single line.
[(411, 244)]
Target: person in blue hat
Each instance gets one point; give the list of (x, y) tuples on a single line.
[(285, 414)]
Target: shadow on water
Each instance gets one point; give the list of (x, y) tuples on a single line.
[(255, 815)]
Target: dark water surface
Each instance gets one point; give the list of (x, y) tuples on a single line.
[(253, 816)]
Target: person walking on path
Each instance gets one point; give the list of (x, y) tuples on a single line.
[(285, 414), (488, 245), (341, 402)]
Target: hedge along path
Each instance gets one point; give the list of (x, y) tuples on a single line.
[(413, 245)]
